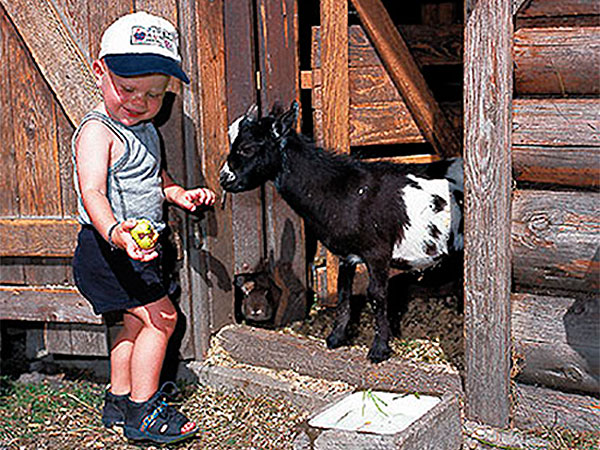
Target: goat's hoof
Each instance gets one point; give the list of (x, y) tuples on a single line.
[(334, 341), (379, 353)]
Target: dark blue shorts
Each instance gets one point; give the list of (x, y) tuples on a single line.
[(111, 281)]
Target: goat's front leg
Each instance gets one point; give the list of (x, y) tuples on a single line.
[(377, 294), (339, 335)]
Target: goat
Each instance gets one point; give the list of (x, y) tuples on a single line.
[(403, 216)]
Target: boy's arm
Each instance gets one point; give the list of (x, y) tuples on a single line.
[(188, 199), (92, 157)]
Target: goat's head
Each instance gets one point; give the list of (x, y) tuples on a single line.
[(255, 155)]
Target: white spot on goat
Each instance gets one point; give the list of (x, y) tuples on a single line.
[(433, 217)]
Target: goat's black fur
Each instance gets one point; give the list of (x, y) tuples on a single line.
[(387, 215)]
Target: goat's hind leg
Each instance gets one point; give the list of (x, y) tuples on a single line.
[(339, 335)]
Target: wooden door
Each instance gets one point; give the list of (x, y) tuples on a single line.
[(46, 87)]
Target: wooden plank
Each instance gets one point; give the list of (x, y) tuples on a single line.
[(76, 339), (487, 100), (555, 240), (38, 237), (407, 77), (101, 13), (334, 119), (565, 166), (9, 196), (64, 133), (57, 54), (310, 357), (430, 46), (65, 305), (545, 58), (34, 134), (549, 8), (279, 84), (556, 122), (240, 64), (557, 341), (537, 407)]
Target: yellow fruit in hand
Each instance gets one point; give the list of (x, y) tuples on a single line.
[(144, 234)]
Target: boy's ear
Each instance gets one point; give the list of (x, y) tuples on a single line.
[(99, 70)]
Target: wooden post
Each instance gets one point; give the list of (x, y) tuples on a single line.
[(279, 84), (240, 63), (335, 97), (488, 104), (407, 77)]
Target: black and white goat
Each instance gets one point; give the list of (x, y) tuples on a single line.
[(405, 216)]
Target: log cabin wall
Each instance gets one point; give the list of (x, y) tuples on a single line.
[(555, 222)]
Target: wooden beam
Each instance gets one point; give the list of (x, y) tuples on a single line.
[(57, 54), (555, 240), (334, 116), (557, 341), (487, 99), (311, 357), (545, 58), (241, 67), (537, 407), (38, 237), (45, 305), (407, 77)]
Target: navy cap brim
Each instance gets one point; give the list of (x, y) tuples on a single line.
[(132, 64)]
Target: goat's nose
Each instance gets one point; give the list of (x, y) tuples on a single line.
[(226, 175)]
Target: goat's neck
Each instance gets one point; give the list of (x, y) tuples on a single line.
[(302, 179)]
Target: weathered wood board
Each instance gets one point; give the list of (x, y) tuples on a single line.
[(555, 240), (557, 341), (546, 58)]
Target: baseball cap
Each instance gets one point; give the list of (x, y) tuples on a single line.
[(141, 43)]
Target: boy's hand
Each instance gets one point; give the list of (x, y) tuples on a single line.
[(193, 198), (121, 237)]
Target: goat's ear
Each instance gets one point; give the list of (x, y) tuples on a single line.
[(252, 113), (287, 121)]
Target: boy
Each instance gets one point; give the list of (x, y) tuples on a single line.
[(119, 178)]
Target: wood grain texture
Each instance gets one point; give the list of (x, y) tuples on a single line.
[(9, 196), (310, 357), (57, 55), (546, 58), (565, 166), (279, 84), (241, 66), (556, 122), (38, 237), (557, 341), (430, 46), (555, 240), (46, 305), (407, 77), (554, 8), (213, 146), (487, 100), (538, 406), (34, 132), (334, 119)]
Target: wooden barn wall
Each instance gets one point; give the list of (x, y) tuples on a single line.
[(555, 220), (44, 91)]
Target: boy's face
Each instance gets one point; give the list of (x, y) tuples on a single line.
[(130, 100)]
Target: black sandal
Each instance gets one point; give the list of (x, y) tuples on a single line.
[(113, 411), (155, 420)]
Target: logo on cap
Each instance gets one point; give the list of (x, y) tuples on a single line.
[(154, 36)]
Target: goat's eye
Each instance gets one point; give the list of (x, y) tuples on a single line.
[(247, 150)]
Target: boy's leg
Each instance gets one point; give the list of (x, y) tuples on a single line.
[(120, 355), (158, 323)]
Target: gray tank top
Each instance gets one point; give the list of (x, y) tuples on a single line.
[(134, 184)]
